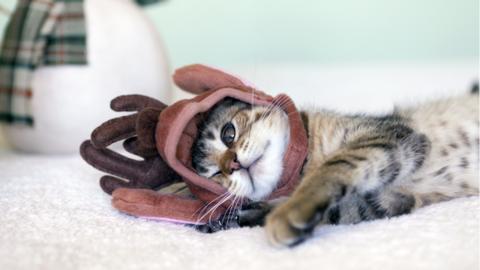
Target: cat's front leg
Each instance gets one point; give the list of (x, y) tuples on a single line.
[(367, 168)]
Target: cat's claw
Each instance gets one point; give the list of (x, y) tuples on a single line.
[(290, 224)]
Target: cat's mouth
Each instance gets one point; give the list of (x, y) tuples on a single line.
[(251, 171), (254, 169)]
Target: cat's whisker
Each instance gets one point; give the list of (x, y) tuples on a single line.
[(267, 108), (206, 207), (262, 129), (202, 209), (251, 102), (214, 208), (232, 191), (273, 106), (230, 208), (236, 202)]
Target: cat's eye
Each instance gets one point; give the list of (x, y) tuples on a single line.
[(228, 134), (215, 174)]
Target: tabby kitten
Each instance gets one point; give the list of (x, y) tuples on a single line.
[(358, 167)]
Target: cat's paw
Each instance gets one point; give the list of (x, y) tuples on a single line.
[(253, 214), (291, 223)]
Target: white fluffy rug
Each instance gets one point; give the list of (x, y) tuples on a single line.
[(54, 216)]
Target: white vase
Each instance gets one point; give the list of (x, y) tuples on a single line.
[(125, 55)]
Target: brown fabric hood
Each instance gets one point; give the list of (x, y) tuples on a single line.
[(174, 142), (163, 137)]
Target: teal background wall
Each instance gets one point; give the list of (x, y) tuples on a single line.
[(223, 32)]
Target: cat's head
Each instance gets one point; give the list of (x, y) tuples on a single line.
[(242, 147)]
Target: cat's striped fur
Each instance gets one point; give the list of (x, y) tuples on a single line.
[(358, 167)]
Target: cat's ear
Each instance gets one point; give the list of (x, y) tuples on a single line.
[(197, 79)]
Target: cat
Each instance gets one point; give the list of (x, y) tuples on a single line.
[(358, 167)]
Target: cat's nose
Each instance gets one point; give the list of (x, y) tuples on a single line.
[(229, 163), (234, 165)]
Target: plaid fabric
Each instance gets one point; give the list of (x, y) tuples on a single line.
[(147, 2), (40, 32)]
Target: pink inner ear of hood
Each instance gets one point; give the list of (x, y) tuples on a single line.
[(175, 139)]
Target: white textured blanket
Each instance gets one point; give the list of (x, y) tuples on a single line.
[(54, 216)]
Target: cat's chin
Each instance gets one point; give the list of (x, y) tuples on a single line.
[(263, 176), (259, 182)]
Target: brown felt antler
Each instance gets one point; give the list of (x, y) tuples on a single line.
[(138, 129)]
